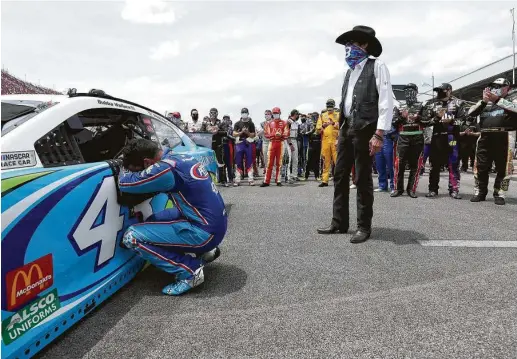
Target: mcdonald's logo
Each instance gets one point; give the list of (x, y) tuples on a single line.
[(25, 283)]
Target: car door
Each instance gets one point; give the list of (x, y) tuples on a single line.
[(61, 229)]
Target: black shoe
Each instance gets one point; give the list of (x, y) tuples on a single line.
[(411, 194), (478, 198), (331, 230), (279, 184), (360, 236), (432, 194), (396, 194), (323, 184), (211, 255), (455, 195), (499, 201), (264, 184)]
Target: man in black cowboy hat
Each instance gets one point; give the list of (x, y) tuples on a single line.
[(366, 111)]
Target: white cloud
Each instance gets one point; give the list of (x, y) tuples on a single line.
[(306, 107), (193, 45), (165, 50), (148, 12)]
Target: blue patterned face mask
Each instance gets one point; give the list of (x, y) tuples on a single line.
[(354, 55)]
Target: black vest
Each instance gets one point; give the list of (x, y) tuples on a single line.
[(365, 100)]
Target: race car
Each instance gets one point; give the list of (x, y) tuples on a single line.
[(62, 213)]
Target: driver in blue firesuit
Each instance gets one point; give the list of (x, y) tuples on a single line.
[(182, 239)]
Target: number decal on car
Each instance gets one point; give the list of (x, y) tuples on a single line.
[(99, 224)]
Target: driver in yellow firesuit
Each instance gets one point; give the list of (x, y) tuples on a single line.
[(328, 125)]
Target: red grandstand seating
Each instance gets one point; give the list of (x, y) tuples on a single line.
[(13, 85)]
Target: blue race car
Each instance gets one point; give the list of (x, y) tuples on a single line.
[(62, 214)]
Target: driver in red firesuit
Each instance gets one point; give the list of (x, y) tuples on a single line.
[(276, 131)]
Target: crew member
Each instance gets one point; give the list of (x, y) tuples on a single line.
[(314, 151), (410, 143), (498, 117), (244, 133), (292, 142), (196, 224), (305, 128), (265, 143), (384, 159), (214, 126), (277, 131), (328, 124), (468, 138), (194, 124), (175, 118), (228, 148), (428, 136), (444, 114), (366, 112)]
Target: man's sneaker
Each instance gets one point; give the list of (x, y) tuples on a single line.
[(279, 184), (380, 190), (264, 184), (211, 255), (184, 285), (322, 184), (455, 195), (478, 198), (291, 181), (499, 201), (431, 194), (235, 184), (302, 179), (353, 186), (252, 183), (396, 194)]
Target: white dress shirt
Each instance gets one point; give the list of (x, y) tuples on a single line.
[(194, 126), (383, 81)]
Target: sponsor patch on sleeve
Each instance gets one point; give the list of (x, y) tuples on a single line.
[(199, 172), (19, 159)]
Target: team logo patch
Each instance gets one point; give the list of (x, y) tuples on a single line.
[(199, 172)]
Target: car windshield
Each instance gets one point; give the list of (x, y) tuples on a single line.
[(168, 135), (14, 113)]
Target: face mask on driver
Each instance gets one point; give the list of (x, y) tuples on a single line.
[(497, 92), (195, 116), (267, 117), (276, 116), (410, 95), (244, 116)]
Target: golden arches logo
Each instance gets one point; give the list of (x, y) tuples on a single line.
[(27, 280)]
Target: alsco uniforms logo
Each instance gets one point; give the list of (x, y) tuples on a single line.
[(25, 283)]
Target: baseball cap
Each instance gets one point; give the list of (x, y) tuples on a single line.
[(443, 87), (501, 82)]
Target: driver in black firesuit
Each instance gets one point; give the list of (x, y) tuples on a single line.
[(444, 114), (410, 144), (498, 116)]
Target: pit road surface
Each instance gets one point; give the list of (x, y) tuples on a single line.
[(280, 290)]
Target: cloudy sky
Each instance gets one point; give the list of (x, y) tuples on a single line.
[(174, 56)]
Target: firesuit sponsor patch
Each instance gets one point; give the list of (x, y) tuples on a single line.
[(19, 159), (199, 172)]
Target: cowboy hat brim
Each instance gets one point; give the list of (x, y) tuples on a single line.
[(374, 46)]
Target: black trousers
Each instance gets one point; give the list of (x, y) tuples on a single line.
[(217, 146), (444, 151), (467, 151), (492, 147), (410, 150), (353, 148), (313, 159)]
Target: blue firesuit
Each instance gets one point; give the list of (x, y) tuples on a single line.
[(196, 224), (384, 160)]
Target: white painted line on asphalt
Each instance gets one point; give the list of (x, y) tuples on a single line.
[(467, 243)]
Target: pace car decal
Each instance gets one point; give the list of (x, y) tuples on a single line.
[(11, 160)]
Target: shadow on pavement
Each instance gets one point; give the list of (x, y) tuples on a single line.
[(397, 236), (220, 280)]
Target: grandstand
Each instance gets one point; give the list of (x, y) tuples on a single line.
[(13, 85)]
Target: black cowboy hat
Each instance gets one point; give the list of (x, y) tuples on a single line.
[(362, 34)]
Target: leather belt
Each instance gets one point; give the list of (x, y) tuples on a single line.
[(496, 129)]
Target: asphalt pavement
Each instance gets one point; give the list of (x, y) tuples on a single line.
[(280, 290)]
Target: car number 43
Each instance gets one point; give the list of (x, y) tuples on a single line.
[(100, 223)]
